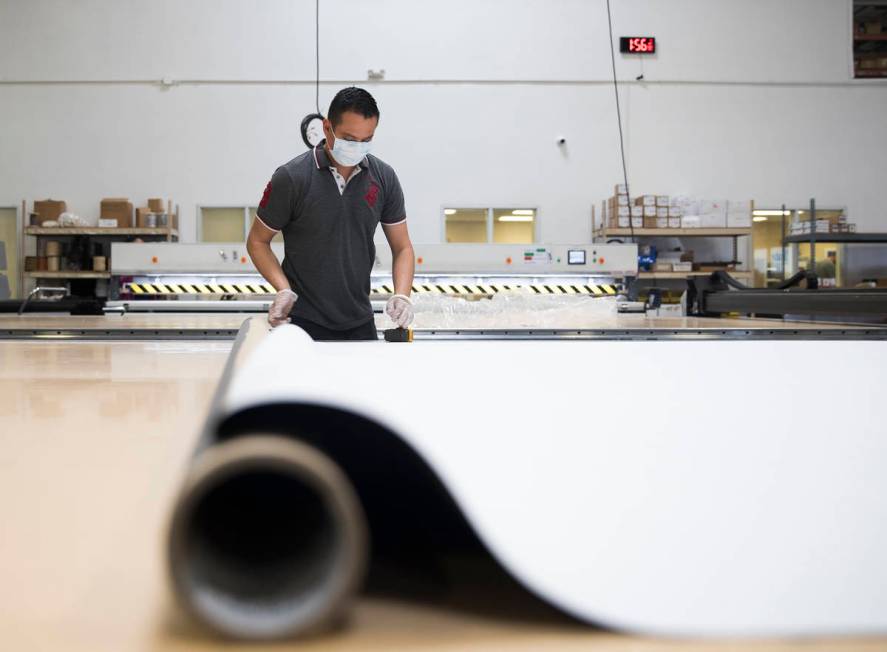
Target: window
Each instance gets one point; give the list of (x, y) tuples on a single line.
[(869, 39), (483, 225), (227, 224), (466, 224), (775, 260)]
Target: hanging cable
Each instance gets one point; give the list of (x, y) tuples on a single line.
[(309, 119), (619, 122), (317, 55)]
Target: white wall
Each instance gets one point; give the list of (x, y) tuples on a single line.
[(747, 99)]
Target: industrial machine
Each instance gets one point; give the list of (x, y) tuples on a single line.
[(176, 277), (720, 294)]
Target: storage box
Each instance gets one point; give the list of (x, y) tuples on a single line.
[(662, 200), (674, 211), (620, 189), (645, 200), (661, 222), (637, 222), (49, 210), (156, 205), (690, 222), (649, 211), (822, 226), (738, 220), (119, 209), (622, 223), (742, 206), (713, 220), (712, 206), (142, 216), (684, 266), (618, 200), (662, 211), (662, 267), (674, 222), (107, 223), (650, 223)]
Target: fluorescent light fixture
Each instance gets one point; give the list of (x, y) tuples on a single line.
[(515, 218), (449, 211), (523, 211), (759, 218), (772, 213)]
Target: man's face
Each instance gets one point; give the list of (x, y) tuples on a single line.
[(352, 126)]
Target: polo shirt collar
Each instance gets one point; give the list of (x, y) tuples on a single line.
[(322, 159)]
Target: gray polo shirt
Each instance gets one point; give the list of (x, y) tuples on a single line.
[(328, 233)]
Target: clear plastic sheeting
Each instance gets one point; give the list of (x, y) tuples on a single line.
[(515, 309)]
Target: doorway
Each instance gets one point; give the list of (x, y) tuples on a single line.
[(9, 263)]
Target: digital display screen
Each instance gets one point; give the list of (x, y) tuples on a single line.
[(637, 45), (576, 256)]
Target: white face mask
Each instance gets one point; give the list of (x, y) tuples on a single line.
[(350, 152)]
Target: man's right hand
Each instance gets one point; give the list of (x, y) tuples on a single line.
[(279, 312)]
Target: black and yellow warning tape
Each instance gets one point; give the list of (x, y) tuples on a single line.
[(453, 290)]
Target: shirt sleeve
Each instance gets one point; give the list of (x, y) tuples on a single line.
[(276, 207), (393, 210)]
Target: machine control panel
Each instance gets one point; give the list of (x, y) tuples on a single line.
[(616, 260)]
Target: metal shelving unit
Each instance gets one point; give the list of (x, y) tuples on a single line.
[(66, 275), (168, 233)]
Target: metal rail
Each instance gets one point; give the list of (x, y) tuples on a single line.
[(534, 334)]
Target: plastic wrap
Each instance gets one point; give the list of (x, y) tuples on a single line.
[(515, 309)]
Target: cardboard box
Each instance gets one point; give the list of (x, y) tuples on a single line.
[(142, 216), (620, 189), (872, 27), (649, 211), (822, 226), (623, 223), (107, 223), (650, 223), (674, 211), (617, 200), (662, 211), (683, 266), (690, 222), (156, 206), (713, 220), (712, 207), (637, 222), (662, 200), (661, 222), (645, 200), (743, 206), (738, 220), (674, 222), (119, 209), (49, 210), (662, 267)]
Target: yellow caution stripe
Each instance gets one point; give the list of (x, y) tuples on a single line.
[(451, 290)]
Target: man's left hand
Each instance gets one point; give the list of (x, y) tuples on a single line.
[(400, 309)]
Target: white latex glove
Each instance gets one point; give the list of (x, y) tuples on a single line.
[(279, 312), (400, 309)]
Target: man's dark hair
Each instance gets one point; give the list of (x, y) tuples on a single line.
[(352, 99)]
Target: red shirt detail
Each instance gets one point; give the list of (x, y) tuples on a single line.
[(265, 196)]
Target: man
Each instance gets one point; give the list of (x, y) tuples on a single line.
[(826, 269), (328, 203)]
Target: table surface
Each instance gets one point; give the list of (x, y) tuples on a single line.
[(234, 320), (94, 439)]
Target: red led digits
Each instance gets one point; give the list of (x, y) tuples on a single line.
[(637, 44)]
